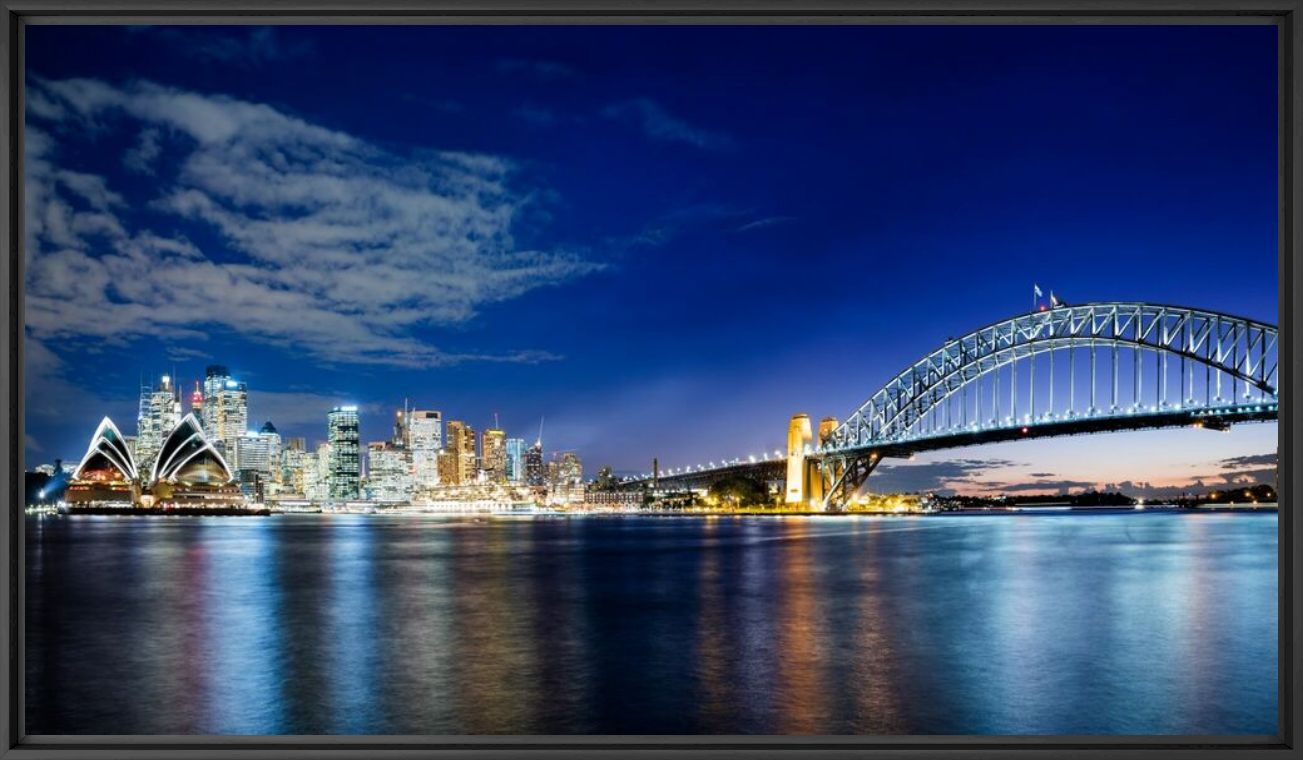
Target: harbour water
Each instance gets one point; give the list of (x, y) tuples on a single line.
[(1127, 623)]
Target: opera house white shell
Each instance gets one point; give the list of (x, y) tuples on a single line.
[(187, 472)]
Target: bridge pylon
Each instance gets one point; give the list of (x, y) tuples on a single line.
[(804, 479)]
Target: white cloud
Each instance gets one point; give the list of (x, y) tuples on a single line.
[(336, 249), (659, 124)]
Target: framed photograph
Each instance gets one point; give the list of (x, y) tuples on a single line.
[(846, 379)]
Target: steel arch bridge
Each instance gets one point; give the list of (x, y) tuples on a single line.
[(1068, 370), (1103, 367)]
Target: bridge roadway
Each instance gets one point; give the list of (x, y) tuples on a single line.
[(1219, 418)]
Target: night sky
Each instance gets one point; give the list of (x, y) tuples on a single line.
[(665, 240)]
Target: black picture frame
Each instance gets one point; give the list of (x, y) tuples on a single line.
[(1285, 15)]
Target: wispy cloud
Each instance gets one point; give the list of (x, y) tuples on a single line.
[(537, 68), (768, 221), (658, 124), (244, 47), (335, 248)]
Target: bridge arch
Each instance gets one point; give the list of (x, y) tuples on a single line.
[(1232, 351)]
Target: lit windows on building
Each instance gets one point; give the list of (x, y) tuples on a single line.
[(425, 440), (493, 455), (225, 410), (461, 444), (160, 412), (345, 471), (515, 460), (535, 472), (389, 472)]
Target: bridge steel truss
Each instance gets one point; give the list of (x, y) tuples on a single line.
[(1184, 366)]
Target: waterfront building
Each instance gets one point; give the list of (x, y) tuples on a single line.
[(535, 473), (461, 443), (493, 455), (160, 411), (253, 484), (345, 472), (226, 409), (424, 429), (388, 472), (107, 472), (190, 471), (515, 460)]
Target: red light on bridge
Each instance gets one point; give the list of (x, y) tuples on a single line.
[(1024, 431)]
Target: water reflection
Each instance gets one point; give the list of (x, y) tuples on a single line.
[(1141, 624)]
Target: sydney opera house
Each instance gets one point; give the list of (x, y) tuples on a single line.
[(188, 472)]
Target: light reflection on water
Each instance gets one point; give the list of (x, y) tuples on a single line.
[(1143, 623)]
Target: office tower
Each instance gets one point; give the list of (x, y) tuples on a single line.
[(226, 410), (197, 403), (515, 460), (296, 467), (317, 473), (535, 473), (260, 452), (388, 472), (425, 439), (345, 471), (160, 412), (461, 442), (493, 455), (447, 466)]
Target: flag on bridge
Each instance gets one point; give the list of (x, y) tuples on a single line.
[(1036, 296)]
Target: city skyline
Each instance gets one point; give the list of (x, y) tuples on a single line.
[(661, 310)]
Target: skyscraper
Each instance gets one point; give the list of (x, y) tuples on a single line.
[(461, 443), (260, 452), (160, 412), (345, 473), (493, 455), (296, 462), (515, 460), (535, 473), (425, 439), (388, 472), (226, 410)]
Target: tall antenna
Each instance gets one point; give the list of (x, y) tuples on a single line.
[(495, 421)]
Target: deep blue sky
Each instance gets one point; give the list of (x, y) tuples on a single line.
[(665, 239)]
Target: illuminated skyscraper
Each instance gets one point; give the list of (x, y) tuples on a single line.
[(295, 464), (160, 412), (425, 439), (260, 452), (345, 473), (535, 473), (388, 472), (493, 455), (461, 443), (515, 460), (226, 411)]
